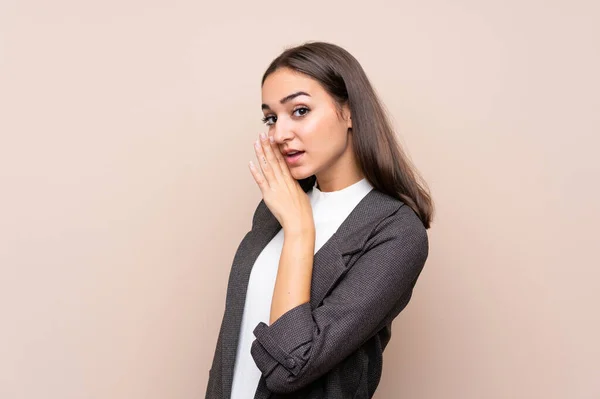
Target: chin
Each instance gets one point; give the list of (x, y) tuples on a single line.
[(300, 173)]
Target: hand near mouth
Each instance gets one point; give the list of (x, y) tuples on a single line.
[(282, 194)]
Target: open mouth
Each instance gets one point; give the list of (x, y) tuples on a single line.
[(293, 157)]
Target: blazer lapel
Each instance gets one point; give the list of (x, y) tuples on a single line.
[(336, 256), (331, 262), (249, 249)]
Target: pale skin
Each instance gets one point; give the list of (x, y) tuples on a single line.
[(300, 115)]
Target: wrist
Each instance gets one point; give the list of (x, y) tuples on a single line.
[(299, 229)]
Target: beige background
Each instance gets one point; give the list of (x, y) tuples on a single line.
[(126, 128)]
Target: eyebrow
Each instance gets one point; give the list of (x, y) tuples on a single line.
[(287, 98)]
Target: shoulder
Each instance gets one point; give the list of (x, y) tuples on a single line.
[(403, 227), (403, 220)]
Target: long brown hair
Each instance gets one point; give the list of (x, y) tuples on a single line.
[(378, 151)]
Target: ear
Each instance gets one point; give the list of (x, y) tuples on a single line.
[(348, 117)]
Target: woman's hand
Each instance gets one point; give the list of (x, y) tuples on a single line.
[(282, 194)]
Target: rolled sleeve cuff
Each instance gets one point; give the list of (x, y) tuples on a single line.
[(284, 341)]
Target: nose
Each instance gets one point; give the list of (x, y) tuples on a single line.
[(282, 131)]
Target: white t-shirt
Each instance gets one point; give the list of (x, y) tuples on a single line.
[(329, 209)]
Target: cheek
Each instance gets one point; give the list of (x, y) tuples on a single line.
[(319, 131), (310, 131)]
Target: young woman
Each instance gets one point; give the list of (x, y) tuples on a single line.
[(336, 244)]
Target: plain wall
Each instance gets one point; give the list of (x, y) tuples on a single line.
[(125, 132)]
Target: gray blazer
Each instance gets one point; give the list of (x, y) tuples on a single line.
[(330, 347)]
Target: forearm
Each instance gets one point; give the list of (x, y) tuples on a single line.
[(292, 286)]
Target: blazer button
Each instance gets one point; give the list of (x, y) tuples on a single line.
[(291, 362)]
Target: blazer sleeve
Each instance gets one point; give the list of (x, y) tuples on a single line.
[(304, 344)]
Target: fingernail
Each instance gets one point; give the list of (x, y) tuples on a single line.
[(272, 139), (263, 136), (256, 144)]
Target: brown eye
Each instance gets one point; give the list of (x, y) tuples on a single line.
[(301, 111), (268, 120)]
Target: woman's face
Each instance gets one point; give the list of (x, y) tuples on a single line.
[(302, 116)]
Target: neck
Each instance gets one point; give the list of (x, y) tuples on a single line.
[(343, 172), (338, 178)]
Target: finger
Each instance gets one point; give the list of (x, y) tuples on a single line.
[(258, 177), (271, 159), (285, 170), (265, 167)]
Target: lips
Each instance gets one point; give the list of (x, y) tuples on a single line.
[(290, 151), (293, 158)]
